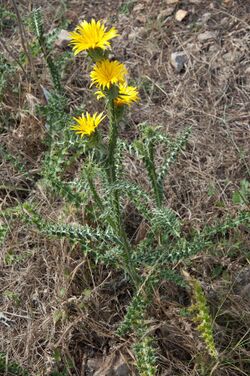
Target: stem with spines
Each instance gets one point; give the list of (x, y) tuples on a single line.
[(111, 174)]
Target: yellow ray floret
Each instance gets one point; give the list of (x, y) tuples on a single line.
[(107, 73), (91, 35), (127, 95), (100, 94), (86, 124)]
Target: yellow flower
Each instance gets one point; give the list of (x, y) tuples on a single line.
[(86, 124), (106, 73), (91, 35), (127, 95)]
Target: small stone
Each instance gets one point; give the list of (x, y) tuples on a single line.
[(165, 13), (62, 39), (178, 61), (207, 35), (206, 17), (180, 15)]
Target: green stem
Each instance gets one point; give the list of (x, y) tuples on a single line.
[(111, 168), (50, 63), (94, 192), (98, 200), (152, 174), (113, 135), (111, 173)]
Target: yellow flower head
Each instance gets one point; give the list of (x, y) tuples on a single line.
[(91, 35), (86, 124), (127, 95), (106, 73)]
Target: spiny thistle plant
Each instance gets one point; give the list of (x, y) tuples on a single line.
[(38, 29), (101, 187), (3, 232), (201, 315)]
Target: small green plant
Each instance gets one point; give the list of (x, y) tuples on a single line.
[(11, 258), (201, 315), (12, 296), (242, 196), (45, 46), (3, 232), (10, 368), (100, 186), (7, 18), (14, 160), (6, 70), (127, 7)]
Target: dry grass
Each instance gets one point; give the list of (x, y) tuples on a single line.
[(63, 309)]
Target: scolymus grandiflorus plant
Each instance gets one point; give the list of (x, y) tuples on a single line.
[(103, 187)]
